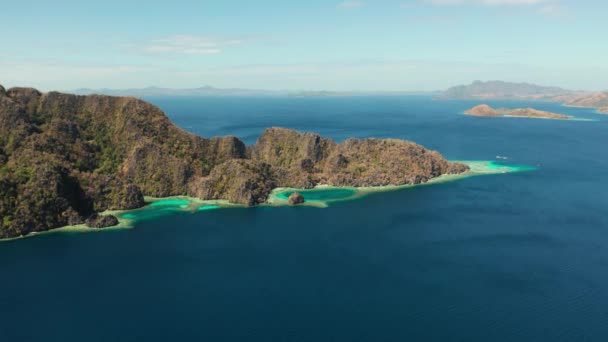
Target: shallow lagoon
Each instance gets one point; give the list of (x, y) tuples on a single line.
[(321, 196)]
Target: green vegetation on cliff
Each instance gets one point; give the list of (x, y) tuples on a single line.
[(64, 158)]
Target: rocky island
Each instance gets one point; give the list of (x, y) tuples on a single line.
[(66, 158), (598, 101), (487, 111)]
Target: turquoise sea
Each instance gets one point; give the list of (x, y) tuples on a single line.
[(508, 257)]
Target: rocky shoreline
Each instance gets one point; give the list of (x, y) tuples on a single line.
[(279, 197)]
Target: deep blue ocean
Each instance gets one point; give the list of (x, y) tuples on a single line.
[(513, 257)]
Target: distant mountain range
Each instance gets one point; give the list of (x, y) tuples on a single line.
[(361, 93), (597, 100), (505, 90), (212, 91), (157, 91), (478, 90)]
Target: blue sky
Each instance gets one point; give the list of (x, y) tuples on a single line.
[(304, 45)]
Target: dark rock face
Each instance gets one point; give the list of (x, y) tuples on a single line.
[(3, 158), (64, 158), (239, 181), (39, 196), (295, 199), (288, 148), (98, 221), (457, 168), (296, 156)]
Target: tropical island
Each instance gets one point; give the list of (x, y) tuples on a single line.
[(487, 111), (66, 158)]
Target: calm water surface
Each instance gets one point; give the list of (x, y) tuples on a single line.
[(517, 257)]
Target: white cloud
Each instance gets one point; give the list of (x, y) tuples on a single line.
[(350, 4), (486, 2), (190, 45), (553, 10)]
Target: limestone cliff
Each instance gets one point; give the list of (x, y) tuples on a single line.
[(64, 158), (304, 160)]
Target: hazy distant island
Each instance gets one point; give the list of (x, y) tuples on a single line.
[(597, 100), (65, 158), (324, 93), (487, 111), (208, 91), (185, 92), (507, 90), (525, 91), (477, 90)]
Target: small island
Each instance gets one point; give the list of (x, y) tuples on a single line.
[(487, 111)]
